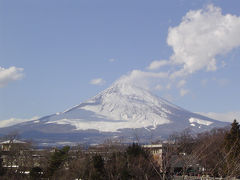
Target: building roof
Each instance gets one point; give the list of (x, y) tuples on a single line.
[(13, 142), (153, 146)]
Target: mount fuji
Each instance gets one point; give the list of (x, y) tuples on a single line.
[(122, 111)]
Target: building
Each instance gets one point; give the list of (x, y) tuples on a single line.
[(157, 150), (10, 144)]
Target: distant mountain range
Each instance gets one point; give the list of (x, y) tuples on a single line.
[(122, 111)]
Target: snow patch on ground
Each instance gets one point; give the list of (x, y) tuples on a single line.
[(199, 121), (105, 126)]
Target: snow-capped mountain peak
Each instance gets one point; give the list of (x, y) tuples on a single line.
[(122, 106), (118, 110)]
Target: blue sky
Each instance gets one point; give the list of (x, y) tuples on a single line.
[(55, 54)]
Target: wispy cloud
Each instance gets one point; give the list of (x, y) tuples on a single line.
[(183, 92), (112, 60), (10, 74), (97, 81), (142, 79), (157, 64), (201, 36), (158, 87), (225, 117), (13, 121), (181, 83)]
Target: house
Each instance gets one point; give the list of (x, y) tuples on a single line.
[(169, 160), (157, 151), (10, 144)]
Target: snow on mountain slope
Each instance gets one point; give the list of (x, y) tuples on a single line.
[(200, 121), (121, 111), (125, 106), (120, 106)]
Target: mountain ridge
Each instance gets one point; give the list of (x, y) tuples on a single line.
[(118, 111)]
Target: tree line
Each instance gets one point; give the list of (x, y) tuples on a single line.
[(215, 153)]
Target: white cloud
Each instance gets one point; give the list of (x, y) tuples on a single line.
[(97, 81), (13, 121), (200, 37), (183, 92), (223, 64), (168, 86), (159, 87), (142, 79), (10, 74), (157, 64), (112, 60), (225, 117), (181, 83)]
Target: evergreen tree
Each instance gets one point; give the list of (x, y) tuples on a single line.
[(232, 149), (36, 173), (57, 159), (136, 150), (98, 171), (98, 163), (232, 140)]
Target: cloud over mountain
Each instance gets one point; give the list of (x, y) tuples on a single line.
[(10, 74), (201, 36), (97, 81)]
